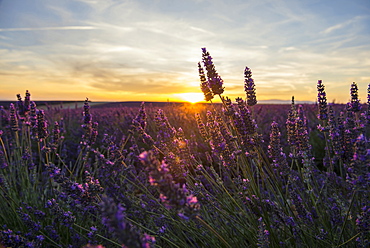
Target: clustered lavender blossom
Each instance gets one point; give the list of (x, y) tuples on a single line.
[(173, 195), (113, 216), (214, 83), (321, 99), (249, 87)]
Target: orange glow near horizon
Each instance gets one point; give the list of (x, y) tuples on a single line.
[(191, 97)]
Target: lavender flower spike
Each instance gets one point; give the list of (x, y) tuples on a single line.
[(204, 86), (42, 125), (321, 99), (13, 118), (355, 102), (249, 87), (214, 80)]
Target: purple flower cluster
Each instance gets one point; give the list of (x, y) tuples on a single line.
[(173, 195), (9, 238), (355, 101), (215, 83), (90, 127), (275, 151), (249, 87), (65, 218), (204, 86), (114, 218), (322, 102), (82, 196)]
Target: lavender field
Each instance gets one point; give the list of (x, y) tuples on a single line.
[(230, 174)]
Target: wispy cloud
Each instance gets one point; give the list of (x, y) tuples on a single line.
[(46, 28), (355, 20)]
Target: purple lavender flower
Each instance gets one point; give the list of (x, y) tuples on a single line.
[(92, 235), (10, 239), (94, 132), (249, 87), (13, 118), (263, 235), (113, 215), (52, 233), (275, 151), (229, 138), (204, 86), (228, 106), (172, 195), (355, 102), (166, 133), (335, 214), (42, 126), (292, 128), (33, 120), (4, 118), (250, 124), (85, 196), (201, 127), (139, 125), (349, 133), (299, 207), (86, 114), (33, 226), (140, 119), (363, 226), (56, 135), (217, 141), (20, 106), (321, 99), (214, 80), (362, 151), (302, 136), (114, 218), (334, 133), (27, 101), (65, 218)]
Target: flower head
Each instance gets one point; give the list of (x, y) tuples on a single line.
[(204, 86), (355, 102), (321, 99), (249, 87), (214, 80)]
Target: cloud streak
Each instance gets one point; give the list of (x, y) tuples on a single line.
[(47, 28)]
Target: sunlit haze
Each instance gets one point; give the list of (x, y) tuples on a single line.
[(112, 50)]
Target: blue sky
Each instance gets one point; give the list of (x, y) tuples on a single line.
[(113, 50)]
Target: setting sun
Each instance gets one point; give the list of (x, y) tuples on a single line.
[(192, 97)]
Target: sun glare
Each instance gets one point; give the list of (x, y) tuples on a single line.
[(192, 97)]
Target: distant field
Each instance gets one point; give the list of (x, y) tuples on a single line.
[(79, 104)]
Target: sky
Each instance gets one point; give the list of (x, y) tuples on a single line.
[(148, 50)]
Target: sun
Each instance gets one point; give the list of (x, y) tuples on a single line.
[(192, 97)]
